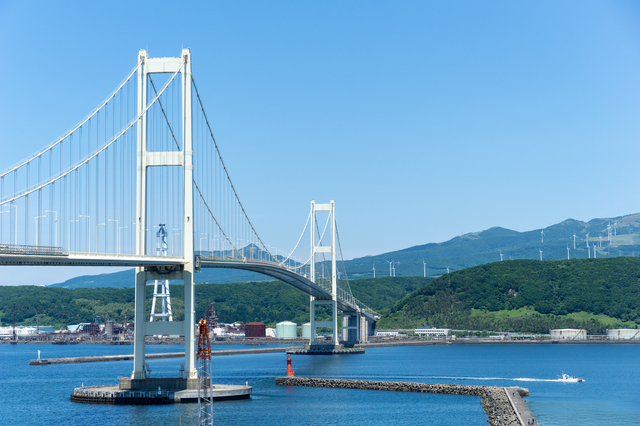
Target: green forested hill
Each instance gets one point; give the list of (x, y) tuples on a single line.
[(527, 295), (269, 302), (518, 295)]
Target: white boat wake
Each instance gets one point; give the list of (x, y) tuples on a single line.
[(514, 379)]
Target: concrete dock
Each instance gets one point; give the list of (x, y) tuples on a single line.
[(113, 394), (520, 407), (103, 358)]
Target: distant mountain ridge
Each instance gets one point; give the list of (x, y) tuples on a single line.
[(126, 279), (472, 249), (483, 247)]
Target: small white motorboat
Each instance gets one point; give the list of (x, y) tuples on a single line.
[(570, 379)]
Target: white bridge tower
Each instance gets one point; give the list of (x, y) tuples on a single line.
[(316, 249), (145, 160)]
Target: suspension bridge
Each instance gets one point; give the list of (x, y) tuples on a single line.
[(146, 159)]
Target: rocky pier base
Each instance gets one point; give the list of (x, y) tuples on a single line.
[(494, 399)]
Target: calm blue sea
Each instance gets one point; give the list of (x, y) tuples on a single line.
[(31, 395)]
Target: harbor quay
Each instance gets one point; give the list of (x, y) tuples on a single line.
[(500, 403)]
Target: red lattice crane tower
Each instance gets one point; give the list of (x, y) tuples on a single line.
[(205, 391)]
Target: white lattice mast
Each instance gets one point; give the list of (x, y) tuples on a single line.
[(165, 293), (205, 391)]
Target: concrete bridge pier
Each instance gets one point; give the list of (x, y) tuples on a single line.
[(367, 328), (350, 326), (145, 328), (333, 324)]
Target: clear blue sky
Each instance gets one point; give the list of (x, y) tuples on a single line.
[(422, 119)]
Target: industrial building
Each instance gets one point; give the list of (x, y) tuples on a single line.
[(623, 334), (387, 333), (255, 330), (432, 332), (568, 334), (22, 331)]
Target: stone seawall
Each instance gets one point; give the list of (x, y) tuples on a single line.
[(494, 399)]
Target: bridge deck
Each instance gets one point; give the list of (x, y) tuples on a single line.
[(285, 275), (47, 256)]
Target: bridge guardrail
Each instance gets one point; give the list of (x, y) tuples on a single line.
[(32, 250)]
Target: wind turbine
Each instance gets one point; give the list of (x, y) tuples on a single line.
[(595, 253), (500, 255), (600, 240), (374, 269), (567, 251), (390, 266), (540, 253), (589, 251), (424, 269), (447, 269), (587, 240), (574, 239), (542, 235)]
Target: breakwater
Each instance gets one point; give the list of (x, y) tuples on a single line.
[(495, 400), (103, 358)]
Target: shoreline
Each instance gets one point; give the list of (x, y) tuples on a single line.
[(390, 343), (371, 344)]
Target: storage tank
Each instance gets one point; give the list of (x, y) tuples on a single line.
[(108, 327), (254, 329), (306, 331), (623, 334), (286, 330), (568, 334)]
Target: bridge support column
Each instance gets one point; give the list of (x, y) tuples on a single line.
[(333, 324), (138, 340), (144, 328), (364, 329), (350, 327)]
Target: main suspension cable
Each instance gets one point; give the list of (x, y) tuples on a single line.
[(225, 168), (69, 132), (299, 239), (75, 167)]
